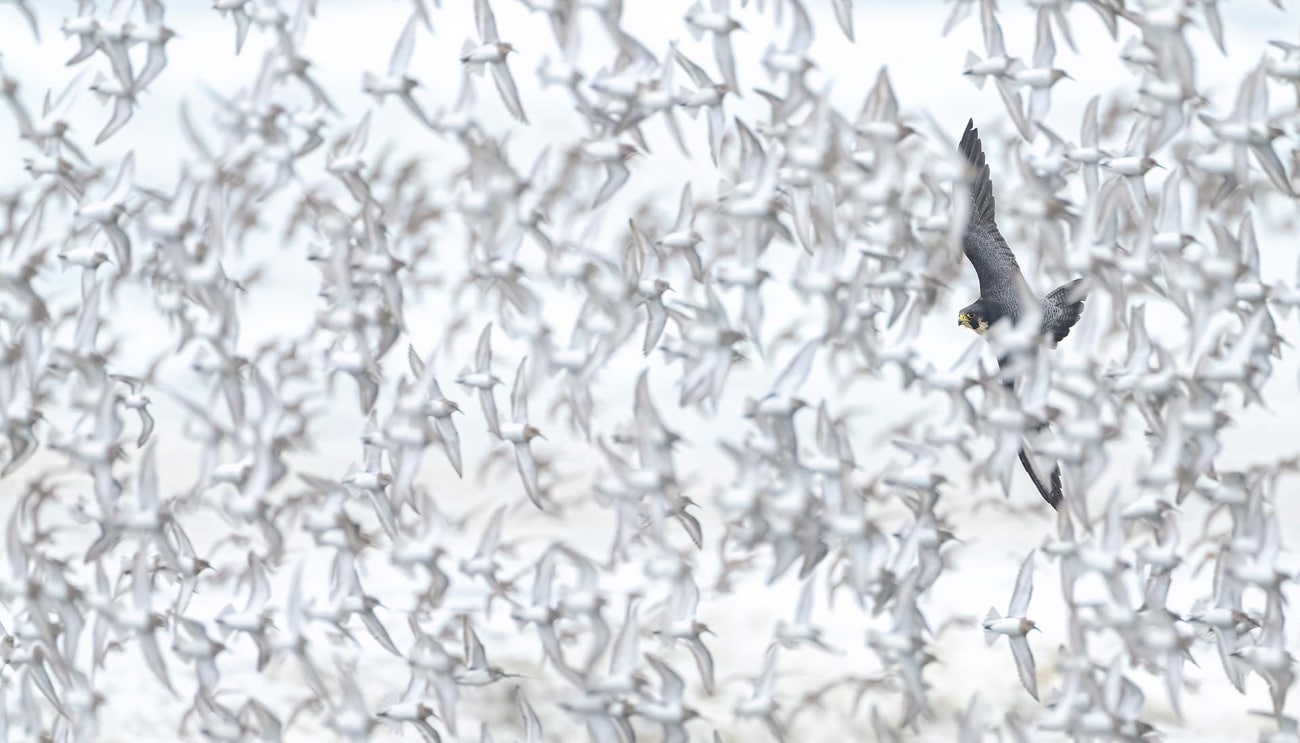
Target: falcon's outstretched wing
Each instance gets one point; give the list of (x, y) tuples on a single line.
[(993, 260)]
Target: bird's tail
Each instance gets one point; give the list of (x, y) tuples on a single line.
[(989, 635), (973, 59), (695, 31), (1067, 300), (466, 48)]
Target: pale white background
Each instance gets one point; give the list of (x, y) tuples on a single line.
[(349, 37)]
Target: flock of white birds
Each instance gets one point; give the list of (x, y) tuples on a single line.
[(348, 422)]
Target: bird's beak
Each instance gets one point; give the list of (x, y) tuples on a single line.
[(962, 319)]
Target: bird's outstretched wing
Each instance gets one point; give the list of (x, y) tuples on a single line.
[(1024, 589), (1047, 483), (994, 263)]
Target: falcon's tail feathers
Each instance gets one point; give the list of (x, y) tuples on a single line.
[(1060, 313)]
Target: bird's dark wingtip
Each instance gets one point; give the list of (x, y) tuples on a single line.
[(1057, 494), (970, 145), (981, 185), (1051, 492)]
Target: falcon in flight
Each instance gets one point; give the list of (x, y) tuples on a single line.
[(1001, 286)]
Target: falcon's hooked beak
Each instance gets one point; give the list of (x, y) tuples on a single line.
[(975, 323)]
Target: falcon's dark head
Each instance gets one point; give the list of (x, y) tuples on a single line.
[(976, 317)]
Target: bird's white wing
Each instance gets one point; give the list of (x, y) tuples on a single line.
[(1025, 664), (401, 59), (1024, 588)]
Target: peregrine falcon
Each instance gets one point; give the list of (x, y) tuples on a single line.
[(1001, 287)]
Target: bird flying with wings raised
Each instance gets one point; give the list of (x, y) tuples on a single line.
[(1002, 286)]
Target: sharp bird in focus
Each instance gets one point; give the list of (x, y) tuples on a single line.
[(1002, 286)]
